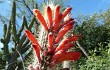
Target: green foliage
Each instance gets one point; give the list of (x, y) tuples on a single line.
[(92, 32), (95, 62), (95, 36)]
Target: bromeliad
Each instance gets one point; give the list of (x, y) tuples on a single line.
[(56, 27)]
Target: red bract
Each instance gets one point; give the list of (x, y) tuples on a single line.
[(40, 18), (56, 13), (57, 23), (60, 17), (63, 31), (64, 56), (57, 18), (56, 48), (49, 15), (66, 11), (65, 22), (67, 46), (50, 41), (57, 55), (37, 50), (36, 45), (31, 37), (65, 42)]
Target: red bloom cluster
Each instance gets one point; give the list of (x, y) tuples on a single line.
[(56, 31)]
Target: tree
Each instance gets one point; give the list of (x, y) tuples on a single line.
[(21, 46), (93, 31), (95, 39)]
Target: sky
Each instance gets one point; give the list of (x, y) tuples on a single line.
[(84, 7), (88, 7)]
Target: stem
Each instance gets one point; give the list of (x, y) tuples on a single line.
[(21, 59), (82, 49)]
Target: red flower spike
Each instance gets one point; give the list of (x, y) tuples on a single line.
[(60, 17), (67, 46), (66, 11), (57, 18), (73, 38), (37, 50), (40, 18), (56, 24), (31, 37), (56, 52), (68, 56), (57, 55), (66, 41), (36, 45), (61, 45), (63, 31), (63, 56), (50, 41), (49, 15), (56, 13), (66, 22)]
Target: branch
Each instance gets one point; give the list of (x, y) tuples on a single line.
[(27, 7), (82, 49), (3, 19), (22, 60)]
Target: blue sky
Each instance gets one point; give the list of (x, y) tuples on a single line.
[(85, 7), (88, 7), (79, 6)]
